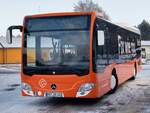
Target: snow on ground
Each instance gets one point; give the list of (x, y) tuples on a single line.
[(131, 97), (10, 68)]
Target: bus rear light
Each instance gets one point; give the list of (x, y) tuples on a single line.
[(85, 89)]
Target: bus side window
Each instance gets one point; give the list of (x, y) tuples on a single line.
[(100, 52)]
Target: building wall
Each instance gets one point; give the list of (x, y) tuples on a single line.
[(2, 60), (10, 56), (13, 55), (45, 54)]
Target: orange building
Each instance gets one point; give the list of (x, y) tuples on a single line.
[(10, 53)]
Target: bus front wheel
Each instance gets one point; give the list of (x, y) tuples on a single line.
[(114, 83)]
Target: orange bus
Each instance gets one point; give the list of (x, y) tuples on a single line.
[(76, 55)]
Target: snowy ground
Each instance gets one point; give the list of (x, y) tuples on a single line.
[(10, 68), (131, 97)]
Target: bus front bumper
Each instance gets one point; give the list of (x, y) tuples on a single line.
[(85, 90)]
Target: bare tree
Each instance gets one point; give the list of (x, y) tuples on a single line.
[(90, 6)]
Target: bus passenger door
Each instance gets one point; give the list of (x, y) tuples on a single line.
[(100, 62), (125, 64)]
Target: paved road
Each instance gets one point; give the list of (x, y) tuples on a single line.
[(131, 97)]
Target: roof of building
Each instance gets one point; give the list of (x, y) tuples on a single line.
[(16, 42), (145, 43)]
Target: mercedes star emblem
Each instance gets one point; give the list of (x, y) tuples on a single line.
[(53, 86)]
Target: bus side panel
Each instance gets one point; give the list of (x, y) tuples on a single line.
[(125, 71), (121, 73), (129, 69), (103, 81)]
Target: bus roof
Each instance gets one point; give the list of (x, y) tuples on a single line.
[(123, 26), (99, 15), (60, 14), (130, 28)]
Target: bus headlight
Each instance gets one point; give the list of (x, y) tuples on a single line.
[(85, 89), (26, 88)]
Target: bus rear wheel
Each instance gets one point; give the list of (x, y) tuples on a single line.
[(114, 83)]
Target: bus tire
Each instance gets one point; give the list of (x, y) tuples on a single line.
[(134, 73), (114, 83)]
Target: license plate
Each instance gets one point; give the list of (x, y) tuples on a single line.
[(53, 94)]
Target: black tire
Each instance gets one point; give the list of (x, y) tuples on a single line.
[(115, 86)]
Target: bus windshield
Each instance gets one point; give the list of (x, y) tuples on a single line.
[(57, 45)]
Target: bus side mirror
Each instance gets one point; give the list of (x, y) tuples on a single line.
[(9, 36), (9, 33), (101, 38)]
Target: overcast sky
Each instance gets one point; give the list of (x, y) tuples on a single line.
[(126, 11)]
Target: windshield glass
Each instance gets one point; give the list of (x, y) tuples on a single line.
[(62, 49)]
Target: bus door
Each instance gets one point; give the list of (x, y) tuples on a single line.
[(100, 59), (125, 63)]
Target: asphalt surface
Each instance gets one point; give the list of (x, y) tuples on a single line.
[(131, 97)]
